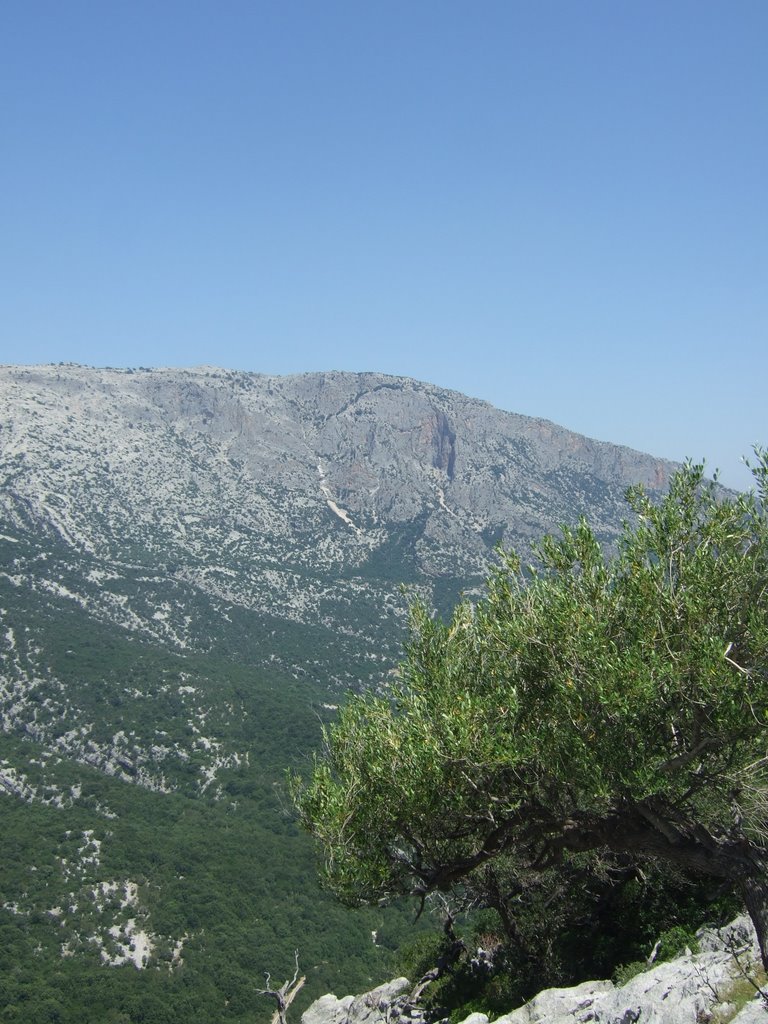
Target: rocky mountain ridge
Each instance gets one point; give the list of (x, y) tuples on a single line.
[(248, 487), (197, 508), (384, 448)]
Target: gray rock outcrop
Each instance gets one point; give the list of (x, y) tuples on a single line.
[(693, 989), (374, 1007)]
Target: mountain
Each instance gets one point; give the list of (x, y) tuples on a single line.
[(195, 566), (306, 499)]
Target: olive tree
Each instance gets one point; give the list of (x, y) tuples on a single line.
[(598, 704)]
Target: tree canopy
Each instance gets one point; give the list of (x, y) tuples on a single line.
[(597, 703)]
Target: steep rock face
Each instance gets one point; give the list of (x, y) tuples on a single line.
[(161, 447)]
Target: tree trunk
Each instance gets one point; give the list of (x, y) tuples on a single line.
[(647, 828), (754, 888), (691, 846)]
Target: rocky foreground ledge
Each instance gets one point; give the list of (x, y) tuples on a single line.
[(708, 987)]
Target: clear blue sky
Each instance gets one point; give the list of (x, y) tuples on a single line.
[(558, 206)]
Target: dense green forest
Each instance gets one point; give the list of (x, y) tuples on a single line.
[(233, 885), (218, 874)]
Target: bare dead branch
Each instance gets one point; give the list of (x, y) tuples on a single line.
[(284, 995), (746, 973)]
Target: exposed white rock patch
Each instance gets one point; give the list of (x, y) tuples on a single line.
[(210, 772), (178, 948), (61, 591), (14, 783), (326, 492), (441, 502)]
